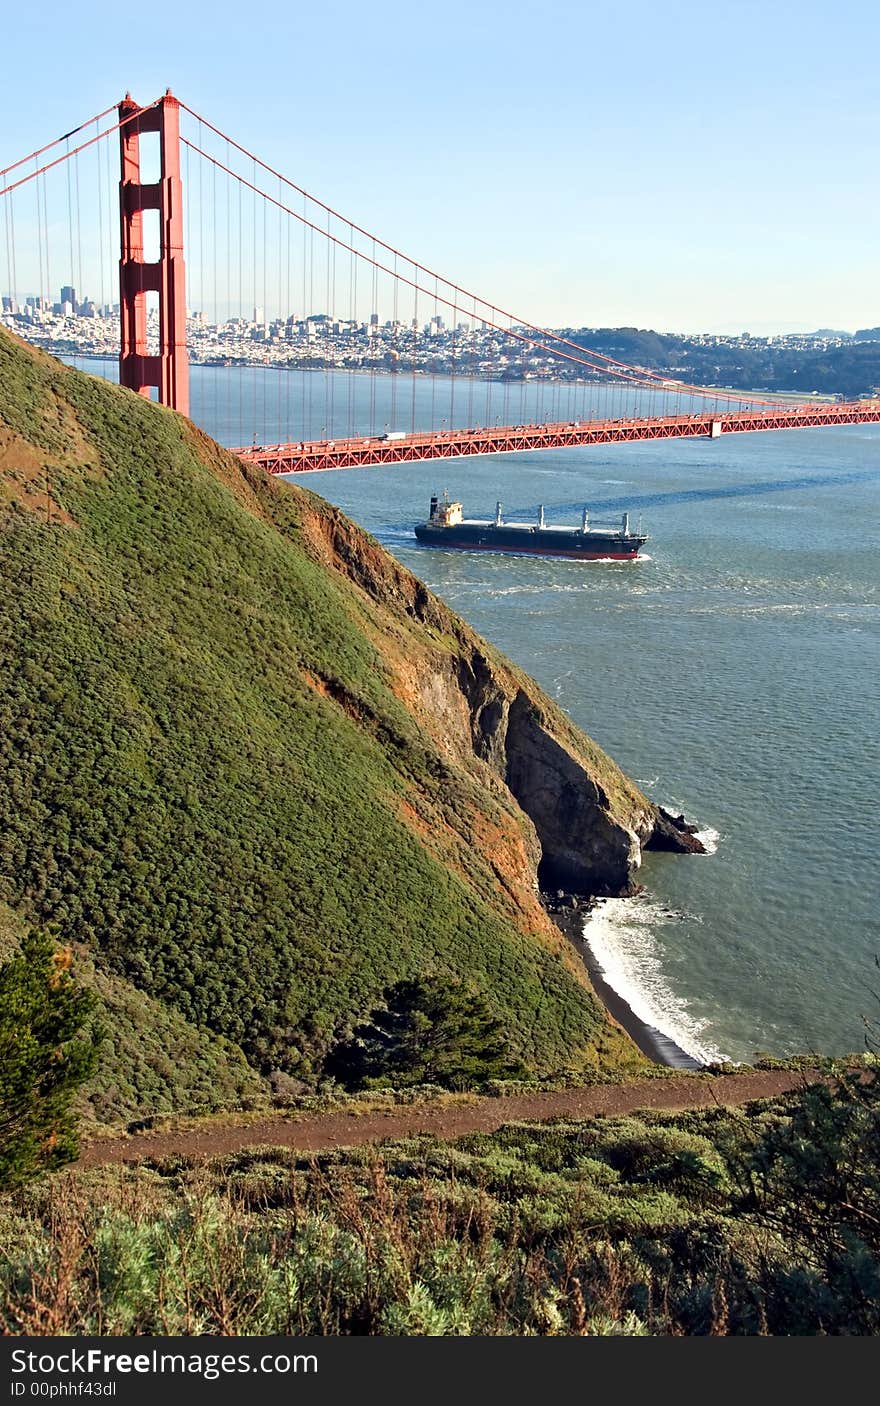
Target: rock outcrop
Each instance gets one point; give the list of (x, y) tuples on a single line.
[(673, 832)]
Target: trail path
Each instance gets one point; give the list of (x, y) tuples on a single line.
[(321, 1132)]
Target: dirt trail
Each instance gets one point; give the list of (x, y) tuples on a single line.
[(321, 1132)]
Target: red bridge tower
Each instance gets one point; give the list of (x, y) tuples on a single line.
[(169, 371)]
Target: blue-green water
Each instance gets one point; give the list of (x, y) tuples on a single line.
[(733, 672)]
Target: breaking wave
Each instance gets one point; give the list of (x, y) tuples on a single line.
[(709, 839), (621, 934)]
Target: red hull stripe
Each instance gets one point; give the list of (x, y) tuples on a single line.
[(530, 551)]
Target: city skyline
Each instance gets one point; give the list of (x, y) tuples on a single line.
[(710, 176), (70, 309)]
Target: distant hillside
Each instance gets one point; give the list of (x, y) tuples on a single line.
[(851, 370), (256, 770)]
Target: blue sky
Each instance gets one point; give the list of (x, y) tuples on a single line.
[(679, 167)]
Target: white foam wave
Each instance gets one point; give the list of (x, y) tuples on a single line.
[(543, 588), (621, 935), (709, 839)]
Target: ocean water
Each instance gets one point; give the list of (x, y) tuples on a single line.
[(733, 672)]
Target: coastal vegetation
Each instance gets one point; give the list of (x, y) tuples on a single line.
[(44, 1058), (716, 1222)]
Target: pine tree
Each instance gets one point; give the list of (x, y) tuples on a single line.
[(43, 1060), (430, 1031)]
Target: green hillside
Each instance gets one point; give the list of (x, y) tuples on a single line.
[(152, 1060), (210, 778)]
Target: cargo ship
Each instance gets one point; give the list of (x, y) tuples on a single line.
[(447, 527)]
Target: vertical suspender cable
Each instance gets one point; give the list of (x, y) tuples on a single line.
[(102, 269), (79, 269), (240, 315), (434, 363), (353, 317), (70, 219), (267, 319), (214, 233), (328, 334), (452, 362), (39, 234), (415, 347), (288, 380), (202, 255), (471, 369), (7, 206), (392, 367), (488, 372), (280, 432), (228, 259), (311, 430), (47, 242), (257, 386), (373, 338), (303, 319), (333, 312)]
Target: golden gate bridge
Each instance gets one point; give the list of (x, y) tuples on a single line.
[(196, 217)]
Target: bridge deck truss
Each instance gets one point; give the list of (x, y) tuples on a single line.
[(309, 456)]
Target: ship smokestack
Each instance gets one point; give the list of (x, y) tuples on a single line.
[(433, 512), (585, 524), (626, 524), (497, 514), (541, 516)]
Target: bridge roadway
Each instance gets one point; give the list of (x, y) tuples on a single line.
[(365, 450)]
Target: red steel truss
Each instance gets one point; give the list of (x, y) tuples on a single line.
[(363, 451)]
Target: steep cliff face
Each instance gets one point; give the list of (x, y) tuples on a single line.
[(584, 845), (590, 821)]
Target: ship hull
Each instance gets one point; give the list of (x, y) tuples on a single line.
[(534, 542)]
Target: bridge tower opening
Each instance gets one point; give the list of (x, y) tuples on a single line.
[(169, 371)]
